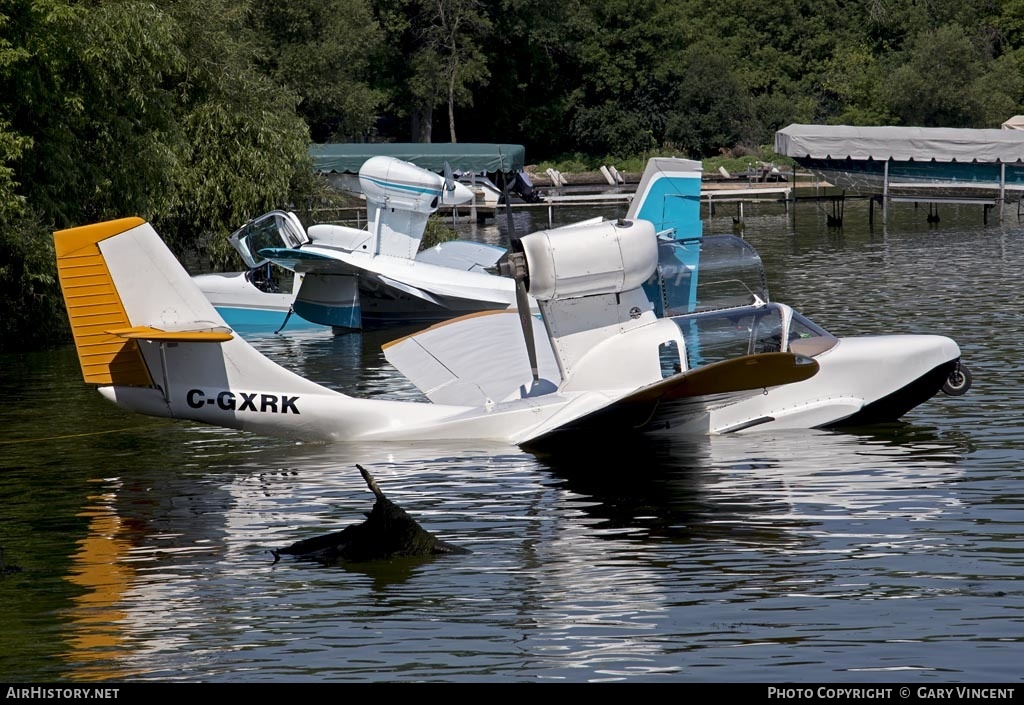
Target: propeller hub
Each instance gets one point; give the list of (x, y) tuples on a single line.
[(515, 266)]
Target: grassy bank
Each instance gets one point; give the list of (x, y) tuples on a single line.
[(735, 161)]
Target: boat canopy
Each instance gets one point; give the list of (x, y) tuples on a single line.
[(941, 144), (475, 158), (1014, 123)]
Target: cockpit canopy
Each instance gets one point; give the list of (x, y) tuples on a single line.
[(271, 230), (706, 274)]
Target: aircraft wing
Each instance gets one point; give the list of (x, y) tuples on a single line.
[(421, 279), (462, 254), (687, 397), (388, 282), (308, 261), (474, 360), (497, 370)]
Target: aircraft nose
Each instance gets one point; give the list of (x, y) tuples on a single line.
[(461, 194), (926, 350)]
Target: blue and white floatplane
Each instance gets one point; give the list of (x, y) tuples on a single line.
[(359, 278), (356, 278)]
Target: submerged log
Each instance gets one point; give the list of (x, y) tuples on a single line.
[(388, 532)]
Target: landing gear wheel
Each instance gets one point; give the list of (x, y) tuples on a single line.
[(958, 382)]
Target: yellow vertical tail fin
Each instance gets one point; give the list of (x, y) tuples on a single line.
[(94, 306)]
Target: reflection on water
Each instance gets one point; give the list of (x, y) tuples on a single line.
[(586, 557), (888, 554), (762, 485), (100, 569)]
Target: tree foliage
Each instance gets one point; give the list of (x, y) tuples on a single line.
[(322, 50)]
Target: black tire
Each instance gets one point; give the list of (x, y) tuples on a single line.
[(958, 382)]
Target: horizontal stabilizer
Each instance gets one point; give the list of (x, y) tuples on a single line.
[(214, 334)]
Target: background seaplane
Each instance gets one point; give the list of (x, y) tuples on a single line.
[(598, 355), (351, 278)]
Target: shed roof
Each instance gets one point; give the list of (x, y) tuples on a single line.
[(347, 158), (943, 144)]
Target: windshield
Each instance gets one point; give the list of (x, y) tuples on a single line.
[(274, 229), (714, 336), (705, 274)]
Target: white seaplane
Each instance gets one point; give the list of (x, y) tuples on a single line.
[(639, 329), (598, 355)]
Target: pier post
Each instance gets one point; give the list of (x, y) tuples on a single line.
[(1002, 189), (885, 193)]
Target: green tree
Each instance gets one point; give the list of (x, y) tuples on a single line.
[(89, 91), (934, 85), (532, 73), (625, 57), (33, 313), (713, 110), (323, 51), (435, 58), (1009, 23), (245, 148), (1000, 89), (116, 108), (83, 106), (853, 89)]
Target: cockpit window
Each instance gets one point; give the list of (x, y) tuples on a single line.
[(802, 327), (274, 229), (703, 274), (719, 335), (714, 336)]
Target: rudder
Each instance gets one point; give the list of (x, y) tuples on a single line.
[(94, 307)]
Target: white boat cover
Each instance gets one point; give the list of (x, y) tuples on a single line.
[(1014, 123), (941, 144)]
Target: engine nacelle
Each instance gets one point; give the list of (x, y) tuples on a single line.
[(583, 260), (399, 185)]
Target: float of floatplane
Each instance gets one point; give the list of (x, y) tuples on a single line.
[(605, 353)]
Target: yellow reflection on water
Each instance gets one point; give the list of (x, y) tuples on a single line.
[(95, 637)]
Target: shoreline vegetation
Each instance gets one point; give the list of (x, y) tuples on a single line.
[(580, 169)]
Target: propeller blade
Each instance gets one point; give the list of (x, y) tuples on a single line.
[(516, 266), (526, 319), (449, 178)]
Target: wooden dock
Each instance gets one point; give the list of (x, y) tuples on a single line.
[(714, 194)]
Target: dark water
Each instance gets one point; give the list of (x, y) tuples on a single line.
[(893, 554)]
